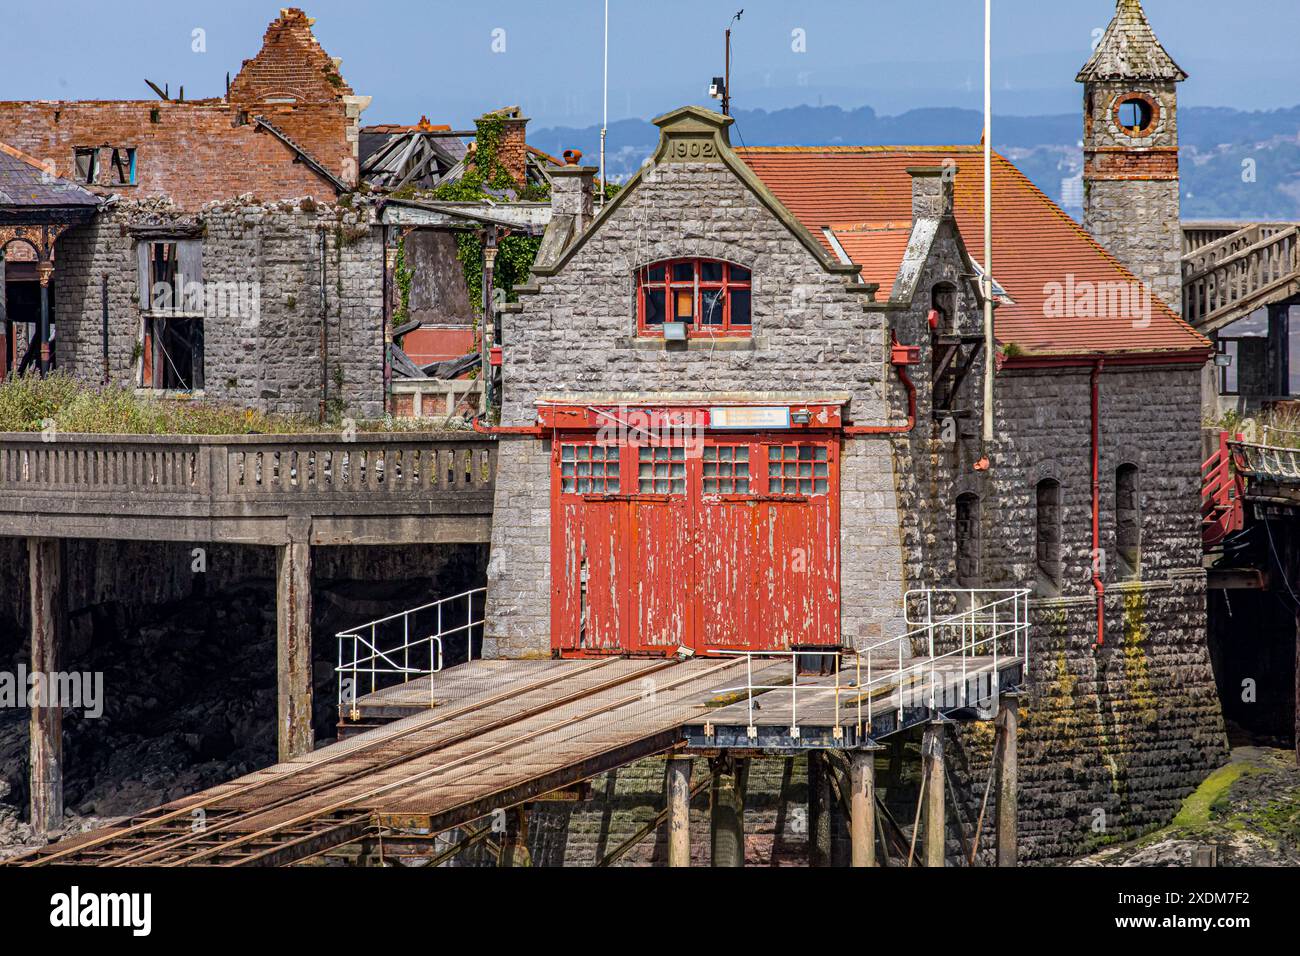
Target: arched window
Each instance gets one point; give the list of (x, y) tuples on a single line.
[(1128, 520), (968, 541), (1047, 541), (708, 296)]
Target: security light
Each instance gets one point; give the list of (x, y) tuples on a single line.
[(717, 88), (674, 331)]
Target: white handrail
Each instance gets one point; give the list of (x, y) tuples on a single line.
[(368, 659)]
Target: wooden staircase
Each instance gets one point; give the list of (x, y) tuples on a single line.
[(1232, 269)]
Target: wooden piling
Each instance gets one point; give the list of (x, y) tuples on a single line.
[(677, 790), (727, 811), (45, 574), (293, 648), (1008, 721), (862, 808), (820, 833), (932, 759)]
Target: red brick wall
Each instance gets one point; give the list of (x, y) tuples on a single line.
[(193, 153)]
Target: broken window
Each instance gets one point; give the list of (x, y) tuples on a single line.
[(86, 164), (798, 470), (122, 166), (1135, 114), (1128, 520), (968, 541), (943, 300), (172, 312), (589, 469), (708, 296), (1047, 543)]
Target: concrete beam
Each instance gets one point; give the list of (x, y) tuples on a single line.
[(45, 573), (935, 829), (677, 789), (820, 798), (862, 807), (727, 810), (293, 649), (1008, 721)]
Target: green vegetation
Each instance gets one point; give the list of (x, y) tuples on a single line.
[(59, 402)]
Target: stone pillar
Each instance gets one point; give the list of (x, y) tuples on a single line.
[(1008, 721), (677, 791), (727, 811), (862, 807), (932, 755), (45, 572), (293, 648), (820, 833)]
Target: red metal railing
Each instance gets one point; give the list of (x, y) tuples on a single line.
[(1221, 493)]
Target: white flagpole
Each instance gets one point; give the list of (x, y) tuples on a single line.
[(989, 343), (604, 121)]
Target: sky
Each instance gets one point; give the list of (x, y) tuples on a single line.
[(452, 61)]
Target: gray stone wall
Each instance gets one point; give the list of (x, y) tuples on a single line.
[(576, 334), (1139, 222), (262, 346)]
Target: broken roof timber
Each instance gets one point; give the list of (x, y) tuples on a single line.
[(523, 216)]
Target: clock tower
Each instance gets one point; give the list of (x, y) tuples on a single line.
[(1130, 141)]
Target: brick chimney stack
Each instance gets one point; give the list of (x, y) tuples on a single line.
[(512, 151)]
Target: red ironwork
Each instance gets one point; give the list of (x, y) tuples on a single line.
[(1221, 494)]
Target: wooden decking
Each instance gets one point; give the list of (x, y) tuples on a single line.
[(490, 735)]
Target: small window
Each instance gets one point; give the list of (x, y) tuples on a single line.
[(798, 470), (172, 313), (943, 299), (726, 470), (661, 470), (1047, 544), (1135, 115), (86, 164), (1128, 520), (709, 296), (968, 541), (589, 469)]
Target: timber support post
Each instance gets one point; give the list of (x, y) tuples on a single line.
[(677, 790), (862, 807), (293, 647), (1008, 721), (45, 574), (932, 758), (727, 810), (820, 833), (514, 841)]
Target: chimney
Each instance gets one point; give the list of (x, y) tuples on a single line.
[(932, 190), (512, 150), (572, 194)]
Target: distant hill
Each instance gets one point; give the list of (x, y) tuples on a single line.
[(1218, 180)]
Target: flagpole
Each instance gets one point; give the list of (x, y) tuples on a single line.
[(604, 121), (989, 342)]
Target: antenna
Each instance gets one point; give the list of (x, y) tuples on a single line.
[(720, 88), (604, 122)]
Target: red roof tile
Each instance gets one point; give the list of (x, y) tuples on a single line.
[(877, 247), (1039, 253)]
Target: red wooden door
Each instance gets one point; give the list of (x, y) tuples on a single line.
[(733, 548)]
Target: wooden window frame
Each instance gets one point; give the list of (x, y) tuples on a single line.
[(697, 286)]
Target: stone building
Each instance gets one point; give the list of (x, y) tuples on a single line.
[(810, 320), (230, 258)]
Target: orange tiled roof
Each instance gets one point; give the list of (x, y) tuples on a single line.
[(1037, 249), (877, 247)]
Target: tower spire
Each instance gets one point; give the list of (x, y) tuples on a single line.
[(1129, 50)]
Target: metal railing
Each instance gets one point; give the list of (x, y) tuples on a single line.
[(404, 646), (935, 662)]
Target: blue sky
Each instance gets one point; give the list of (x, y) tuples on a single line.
[(437, 57)]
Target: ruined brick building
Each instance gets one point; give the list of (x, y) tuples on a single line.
[(228, 253)]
